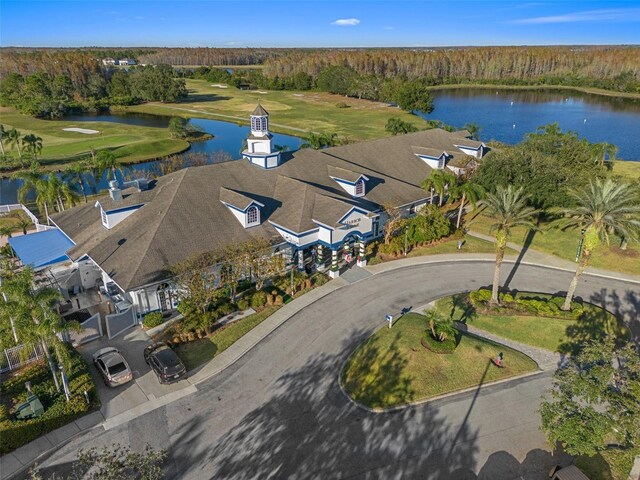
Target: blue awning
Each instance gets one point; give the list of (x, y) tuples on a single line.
[(42, 248)]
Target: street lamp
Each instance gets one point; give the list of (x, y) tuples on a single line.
[(582, 232), (406, 232)]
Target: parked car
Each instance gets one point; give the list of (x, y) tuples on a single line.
[(164, 362), (112, 366)]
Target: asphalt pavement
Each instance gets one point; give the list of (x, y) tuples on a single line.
[(278, 412)]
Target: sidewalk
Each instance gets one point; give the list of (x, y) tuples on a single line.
[(24, 456)]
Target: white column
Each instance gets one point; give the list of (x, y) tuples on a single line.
[(334, 272), (319, 256), (301, 260), (362, 259)]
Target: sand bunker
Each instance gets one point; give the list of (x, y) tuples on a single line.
[(262, 92), (81, 130), (218, 85)]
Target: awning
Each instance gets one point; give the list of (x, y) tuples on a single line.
[(42, 248)]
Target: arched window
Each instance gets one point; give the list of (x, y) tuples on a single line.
[(360, 187), (252, 215)]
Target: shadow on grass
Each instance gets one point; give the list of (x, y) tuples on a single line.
[(592, 325), (376, 377)]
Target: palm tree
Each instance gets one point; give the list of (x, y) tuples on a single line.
[(23, 223), (440, 326), (13, 138), (602, 150), (313, 140), (474, 129), (438, 180), (34, 319), (508, 208), (107, 161), (601, 208), (466, 191), (6, 231), (76, 174), (32, 144), (58, 192)]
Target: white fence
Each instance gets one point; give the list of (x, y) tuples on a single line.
[(15, 357), (91, 330), (119, 322), (19, 206)]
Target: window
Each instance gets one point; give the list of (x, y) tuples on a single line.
[(105, 221), (252, 215), (360, 187)]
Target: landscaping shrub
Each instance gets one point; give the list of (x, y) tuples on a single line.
[(243, 304), (480, 298), (436, 346), (342, 105), (153, 319), (225, 309), (319, 279), (58, 412), (258, 299)]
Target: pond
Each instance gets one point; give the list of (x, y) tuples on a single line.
[(507, 115), (228, 138)]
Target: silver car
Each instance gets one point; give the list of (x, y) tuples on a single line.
[(112, 366)]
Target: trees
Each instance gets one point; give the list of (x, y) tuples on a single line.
[(396, 126), (32, 144), (76, 173), (394, 219), (31, 313), (440, 327), (594, 400), (438, 180), (474, 129), (178, 127), (600, 209), (4, 135), (13, 138), (336, 79), (197, 281), (107, 161), (318, 141), (23, 224), (6, 231), (414, 96), (603, 150), (508, 209), (466, 190)]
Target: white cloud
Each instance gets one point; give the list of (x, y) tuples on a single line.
[(346, 22), (587, 16)]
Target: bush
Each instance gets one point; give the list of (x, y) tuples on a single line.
[(243, 304), (58, 412), (153, 319), (480, 298), (342, 105), (258, 299), (436, 346), (319, 279)]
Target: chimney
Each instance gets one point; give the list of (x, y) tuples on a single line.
[(114, 191)]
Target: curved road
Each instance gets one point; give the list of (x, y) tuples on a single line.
[(278, 412)]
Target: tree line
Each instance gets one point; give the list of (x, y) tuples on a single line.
[(42, 95)]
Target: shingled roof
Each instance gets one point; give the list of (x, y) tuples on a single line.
[(182, 213), (259, 111)]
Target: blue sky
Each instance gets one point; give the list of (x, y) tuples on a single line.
[(318, 23)]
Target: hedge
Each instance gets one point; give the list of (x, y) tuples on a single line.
[(58, 412), (153, 319), (527, 304)]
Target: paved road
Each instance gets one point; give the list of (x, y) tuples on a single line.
[(279, 413)]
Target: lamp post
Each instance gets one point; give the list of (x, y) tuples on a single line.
[(582, 232), (406, 233)]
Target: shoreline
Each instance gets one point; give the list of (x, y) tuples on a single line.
[(488, 86)]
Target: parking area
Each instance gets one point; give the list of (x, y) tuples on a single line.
[(145, 385)]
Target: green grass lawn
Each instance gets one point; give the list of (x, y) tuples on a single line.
[(290, 112), (200, 351), (554, 334), (393, 368), (130, 143), (564, 244)]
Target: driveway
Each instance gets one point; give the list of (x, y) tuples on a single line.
[(278, 412), (145, 385)]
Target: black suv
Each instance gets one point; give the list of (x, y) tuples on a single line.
[(164, 361)]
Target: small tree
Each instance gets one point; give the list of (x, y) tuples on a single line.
[(466, 191), (264, 263), (178, 127), (441, 328), (197, 280), (594, 400), (394, 220)]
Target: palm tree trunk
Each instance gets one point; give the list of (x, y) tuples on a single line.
[(441, 197), (52, 366), (2, 146), (623, 244), (501, 245), (460, 211), (431, 198), (83, 192), (582, 264)]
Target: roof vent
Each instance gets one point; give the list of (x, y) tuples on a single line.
[(114, 191)]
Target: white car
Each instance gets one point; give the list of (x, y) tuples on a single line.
[(112, 366)]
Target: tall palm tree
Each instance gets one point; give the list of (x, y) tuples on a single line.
[(600, 209), (33, 144), (508, 208), (13, 138), (34, 319), (76, 174), (466, 191)]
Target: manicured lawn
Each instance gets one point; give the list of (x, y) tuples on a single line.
[(564, 244), (554, 334), (130, 143), (195, 353), (291, 112), (470, 245), (629, 170), (393, 368)]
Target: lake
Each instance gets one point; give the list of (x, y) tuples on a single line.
[(503, 115), (228, 137), (507, 115)]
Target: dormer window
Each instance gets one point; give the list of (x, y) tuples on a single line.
[(360, 188), (253, 216)]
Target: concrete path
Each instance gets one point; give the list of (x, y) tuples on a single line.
[(277, 411)]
